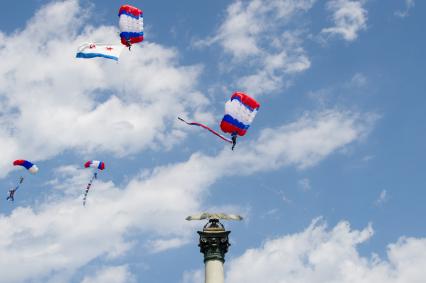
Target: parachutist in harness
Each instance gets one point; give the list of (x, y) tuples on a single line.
[(128, 44), (11, 196), (234, 140)]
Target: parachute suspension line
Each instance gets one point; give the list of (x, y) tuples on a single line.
[(95, 175), (21, 180), (207, 128)]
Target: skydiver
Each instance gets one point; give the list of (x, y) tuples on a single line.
[(12, 191), (234, 140), (11, 195), (128, 44)]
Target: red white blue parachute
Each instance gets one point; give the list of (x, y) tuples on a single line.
[(98, 165), (131, 25), (240, 111), (31, 167), (95, 164)]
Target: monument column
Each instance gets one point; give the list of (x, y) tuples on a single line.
[(214, 244)]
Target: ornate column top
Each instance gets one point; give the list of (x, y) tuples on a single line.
[(214, 241)]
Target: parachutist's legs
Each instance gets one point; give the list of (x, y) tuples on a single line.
[(11, 197), (129, 44), (234, 141)]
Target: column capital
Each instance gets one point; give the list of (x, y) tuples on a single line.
[(214, 242)]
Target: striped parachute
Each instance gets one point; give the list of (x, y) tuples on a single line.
[(95, 164), (131, 25), (32, 168), (240, 111)]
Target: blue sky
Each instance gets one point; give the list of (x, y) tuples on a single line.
[(328, 178)]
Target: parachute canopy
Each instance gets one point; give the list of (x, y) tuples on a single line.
[(131, 24), (240, 111), (95, 164), (32, 168)]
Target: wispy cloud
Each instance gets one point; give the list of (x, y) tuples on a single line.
[(350, 17), (159, 245), (359, 80), (342, 93), (111, 274), (409, 4), (383, 198), (305, 184), (255, 35)]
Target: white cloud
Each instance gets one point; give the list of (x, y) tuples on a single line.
[(241, 32), (114, 274), (359, 80), (350, 17), (68, 236), (319, 254), (314, 136), (341, 93), (255, 35), (51, 101), (159, 245), (409, 4)]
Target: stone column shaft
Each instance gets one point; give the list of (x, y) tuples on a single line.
[(214, 245), (214, 272)]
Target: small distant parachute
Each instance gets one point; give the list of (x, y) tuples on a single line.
[(131, 25), (98, 165), (240, 111), (31, 167), (95, 164)]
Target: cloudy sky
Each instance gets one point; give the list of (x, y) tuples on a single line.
[(329, 177)]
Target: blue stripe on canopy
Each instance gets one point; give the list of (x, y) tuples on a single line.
[(228, 118)]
